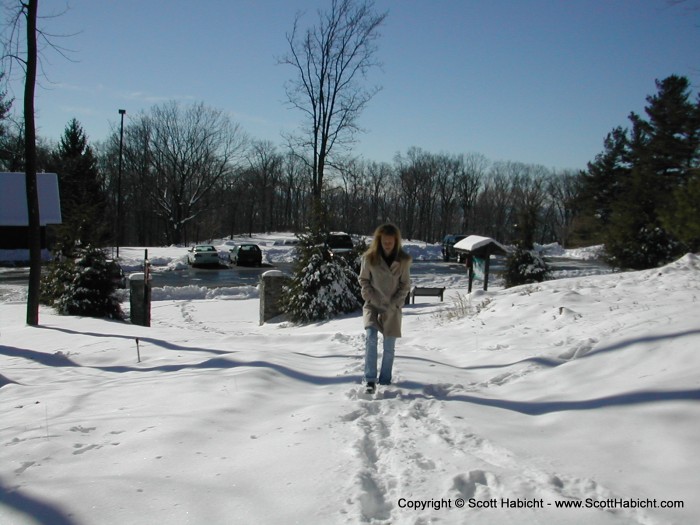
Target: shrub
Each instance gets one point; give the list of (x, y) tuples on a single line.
[(82, 284), (525, 267), (322, 286)]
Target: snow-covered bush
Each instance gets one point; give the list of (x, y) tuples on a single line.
[(322, 286), (82, 284), (524, 267)]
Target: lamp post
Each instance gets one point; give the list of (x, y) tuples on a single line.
[(119, 182)]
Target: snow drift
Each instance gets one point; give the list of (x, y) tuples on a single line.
[(515, 403)]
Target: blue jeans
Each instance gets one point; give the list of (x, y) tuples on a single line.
[(389, 344)]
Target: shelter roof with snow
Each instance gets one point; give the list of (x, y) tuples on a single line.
[(13, 200), (480, 246)]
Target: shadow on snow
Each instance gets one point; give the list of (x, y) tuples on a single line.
[(40, 511), (426, 391)]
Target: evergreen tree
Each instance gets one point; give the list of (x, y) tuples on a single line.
[(683, 220), (604, 181), (83, 201), (322, 285), (82, 285), (662, 153), (673, 135)]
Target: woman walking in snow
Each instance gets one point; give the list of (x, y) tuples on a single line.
[(385, 278)]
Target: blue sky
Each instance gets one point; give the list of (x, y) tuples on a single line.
[(535, 81)]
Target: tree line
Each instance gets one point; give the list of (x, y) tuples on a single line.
[(190, 174)]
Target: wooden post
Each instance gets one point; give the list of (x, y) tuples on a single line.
[(487, 264), (146, 289), (470, 270)]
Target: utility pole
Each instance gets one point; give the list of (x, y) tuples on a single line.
[(119, 182)]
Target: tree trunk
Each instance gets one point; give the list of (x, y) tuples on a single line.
[(30, 170)]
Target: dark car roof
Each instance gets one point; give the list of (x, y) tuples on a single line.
[(339, 240)]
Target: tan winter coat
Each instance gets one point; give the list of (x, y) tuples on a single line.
[(384, 290)]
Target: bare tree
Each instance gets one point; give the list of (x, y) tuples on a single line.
[(295, 188), (564, 192), (468, 186), (34, 291), (140, 217), (378, 175), (447, 175), (266, 172), (529, 194), (190, 150), (27, 11), (26, 51), (331, 60), (410, 180), (494, 205)]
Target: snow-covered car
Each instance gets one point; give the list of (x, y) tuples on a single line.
[(246, 255), (203, 255)]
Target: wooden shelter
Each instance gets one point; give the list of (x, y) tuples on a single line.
[(479, 251)]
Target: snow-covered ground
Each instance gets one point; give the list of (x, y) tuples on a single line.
[(583, 390)]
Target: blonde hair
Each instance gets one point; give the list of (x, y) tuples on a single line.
[(374, 251)]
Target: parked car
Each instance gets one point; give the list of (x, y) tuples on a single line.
[(339, 244), (203, 255), (246, 255), (448, 248)]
